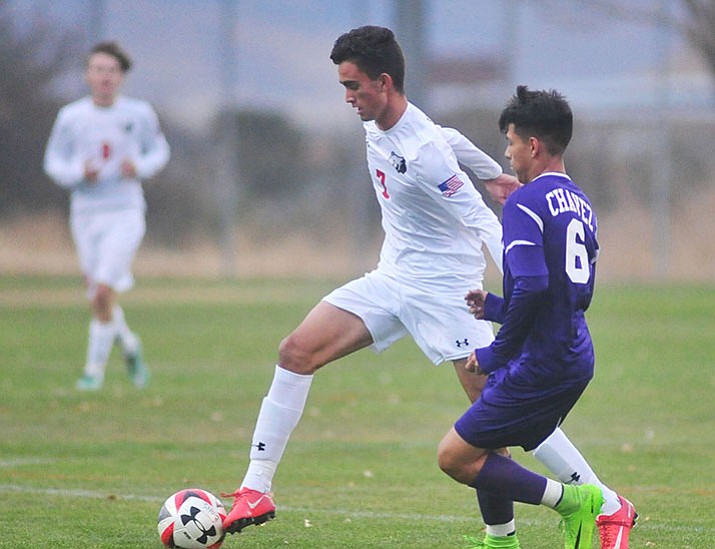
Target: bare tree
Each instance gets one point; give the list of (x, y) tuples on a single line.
[(29, 63), (696, 21), (700, 29)]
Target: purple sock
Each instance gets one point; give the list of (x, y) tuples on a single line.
[(495, 508), (509, 480)]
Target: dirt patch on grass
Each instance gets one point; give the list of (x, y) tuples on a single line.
[(42, 245), (631, 251)]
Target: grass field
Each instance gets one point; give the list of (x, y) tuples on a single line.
[(91, 470)]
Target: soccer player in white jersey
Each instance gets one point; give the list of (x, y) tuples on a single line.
[(435, 224), (542, 358), (100, 148)]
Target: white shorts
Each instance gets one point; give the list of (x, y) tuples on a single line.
[(435, 315), (106, 244)]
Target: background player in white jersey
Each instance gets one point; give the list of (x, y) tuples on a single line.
[(100, 148), (542, 358), (435, 224)]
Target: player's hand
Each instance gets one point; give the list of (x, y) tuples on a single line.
[(128, 169), (90, 171), (475, 301), (501, 187), (472, 365)]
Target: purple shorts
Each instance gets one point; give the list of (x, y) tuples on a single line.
[(509, 414)]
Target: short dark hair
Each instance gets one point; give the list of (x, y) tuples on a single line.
[(543, 114), (374, 50), (115, 50)]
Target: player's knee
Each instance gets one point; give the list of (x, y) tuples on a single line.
[(295, 357), (447, 461), (102, 303), (453, 461)]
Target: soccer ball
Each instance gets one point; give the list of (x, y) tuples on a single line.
[(192, 519)]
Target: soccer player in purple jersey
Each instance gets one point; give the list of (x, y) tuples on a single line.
[(542, 357)]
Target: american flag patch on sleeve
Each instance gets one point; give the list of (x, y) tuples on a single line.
[(451, 186)]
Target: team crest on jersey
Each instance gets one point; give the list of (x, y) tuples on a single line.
[(398, 162), (451, 186)]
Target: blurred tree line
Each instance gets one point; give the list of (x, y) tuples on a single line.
[(287, 178), (29, 64)]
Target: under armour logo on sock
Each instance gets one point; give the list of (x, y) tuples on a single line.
[(575, 477), (464, 342), (261, 446)]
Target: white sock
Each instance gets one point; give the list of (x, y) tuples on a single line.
[(99, 346), (552, 494), (501, 530), (128, 341), (564, 460), (280, 412)]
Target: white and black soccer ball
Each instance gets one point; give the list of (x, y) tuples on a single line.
[(192, 519)]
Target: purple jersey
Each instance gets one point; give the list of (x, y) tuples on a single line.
[(549, 270)]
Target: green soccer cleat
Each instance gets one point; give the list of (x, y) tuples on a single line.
[(579, 507), (492, 542), (136, 368)]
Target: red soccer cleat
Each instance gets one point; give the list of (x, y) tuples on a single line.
[(249, 507), (614, 529)]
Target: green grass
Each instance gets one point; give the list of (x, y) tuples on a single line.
[(91, 470)]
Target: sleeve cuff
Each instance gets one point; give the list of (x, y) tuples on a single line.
[(486, 359), (493, 306)]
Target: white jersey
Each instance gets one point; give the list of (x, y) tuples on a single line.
[(435, 221), (105, 136)]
